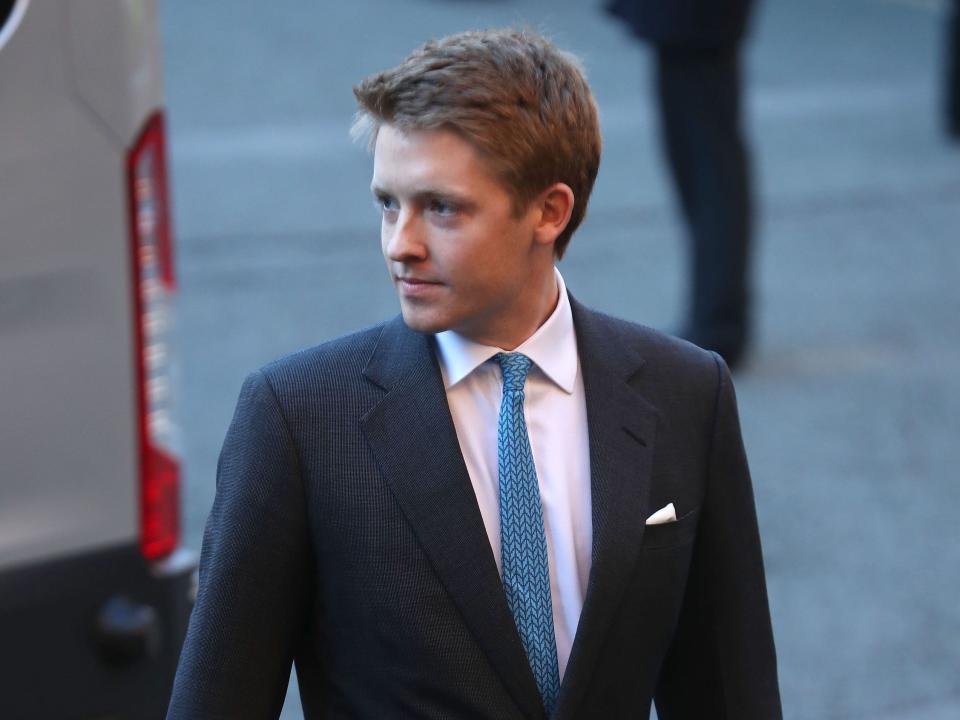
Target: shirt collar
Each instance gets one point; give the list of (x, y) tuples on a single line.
[(552, 348)]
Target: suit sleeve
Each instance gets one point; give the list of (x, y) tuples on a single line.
[(254, 572), (722, 662)]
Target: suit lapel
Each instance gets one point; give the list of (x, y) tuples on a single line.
[(621, 429), (413, 438)]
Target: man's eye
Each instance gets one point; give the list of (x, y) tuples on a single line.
[(385, 203), (441, 207)]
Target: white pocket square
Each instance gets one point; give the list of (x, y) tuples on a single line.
[(666, 514)]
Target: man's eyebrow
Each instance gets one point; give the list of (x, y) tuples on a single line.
[(424, 194)]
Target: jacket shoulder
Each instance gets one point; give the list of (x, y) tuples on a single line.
[(661, 354), (336, 362)]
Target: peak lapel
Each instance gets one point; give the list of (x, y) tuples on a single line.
[(621, 429), (413, 438)]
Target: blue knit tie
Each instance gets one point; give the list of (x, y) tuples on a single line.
[(523, 543)]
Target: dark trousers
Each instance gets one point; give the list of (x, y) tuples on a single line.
[(952, 55), (700, 111)]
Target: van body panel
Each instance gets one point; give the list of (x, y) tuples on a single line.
[(67, 380), (119, 81), (88, 627)]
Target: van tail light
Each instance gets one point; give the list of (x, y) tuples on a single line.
[(153, 288)]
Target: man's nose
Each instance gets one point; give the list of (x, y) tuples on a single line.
[(404, 241)]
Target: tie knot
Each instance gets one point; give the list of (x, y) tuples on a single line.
[(515, 367)]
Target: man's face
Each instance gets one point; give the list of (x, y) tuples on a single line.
[(458, 255)]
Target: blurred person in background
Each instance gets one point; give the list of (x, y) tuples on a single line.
[(500, 504), (697, 47), (952, 89)]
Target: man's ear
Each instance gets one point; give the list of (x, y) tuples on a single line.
[(555, 205)]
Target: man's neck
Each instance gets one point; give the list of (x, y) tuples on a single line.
[(543, 298)]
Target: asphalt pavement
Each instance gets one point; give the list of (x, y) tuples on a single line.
[(850, 402)]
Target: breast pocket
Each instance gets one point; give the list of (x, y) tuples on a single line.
[(674, 534)]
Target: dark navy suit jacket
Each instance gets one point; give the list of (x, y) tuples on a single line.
[(346, 537)]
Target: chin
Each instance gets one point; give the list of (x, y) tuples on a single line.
[(424, 322)]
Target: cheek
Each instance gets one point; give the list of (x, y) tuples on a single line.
[(384, 240), (468, 270)]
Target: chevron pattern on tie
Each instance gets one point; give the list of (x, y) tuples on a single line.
[(526, 573)]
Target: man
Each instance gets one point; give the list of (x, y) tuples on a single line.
[(698, 82), (503, 504), (951, 95)]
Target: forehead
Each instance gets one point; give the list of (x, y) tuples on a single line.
[(429, 160)]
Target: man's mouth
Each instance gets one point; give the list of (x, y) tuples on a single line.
[(415, 286)]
